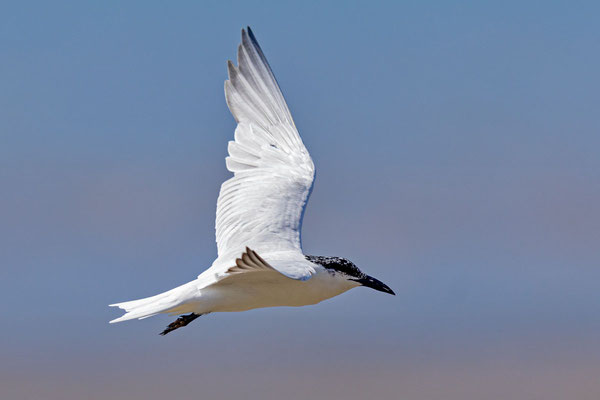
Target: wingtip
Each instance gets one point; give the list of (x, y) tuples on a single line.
[(248, 36), (231, 69), (252, 37)]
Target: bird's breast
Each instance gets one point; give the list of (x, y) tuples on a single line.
[(271, 290)]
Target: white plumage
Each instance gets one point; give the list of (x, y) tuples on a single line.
[(261, 206), (259, 210)]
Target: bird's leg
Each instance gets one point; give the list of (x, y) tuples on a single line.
[(180, 322)]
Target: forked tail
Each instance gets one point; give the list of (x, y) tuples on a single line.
[(172, 301)]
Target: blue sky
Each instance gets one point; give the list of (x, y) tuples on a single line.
[(456, 148)]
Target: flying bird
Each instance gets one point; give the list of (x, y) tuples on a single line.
[(260, 261)]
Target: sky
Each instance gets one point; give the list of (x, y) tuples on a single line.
[(457, 155)]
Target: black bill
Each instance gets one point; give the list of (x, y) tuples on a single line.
[(373, 283)]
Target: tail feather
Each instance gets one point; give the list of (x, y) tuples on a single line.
[(150, 306)]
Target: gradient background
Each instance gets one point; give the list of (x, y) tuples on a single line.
[(457, 149)]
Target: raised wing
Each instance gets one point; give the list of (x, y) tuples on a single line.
[(262, 205)]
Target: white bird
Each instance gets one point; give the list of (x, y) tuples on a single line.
[(259, 214)]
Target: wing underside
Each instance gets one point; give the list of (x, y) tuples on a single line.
[(262, 205)]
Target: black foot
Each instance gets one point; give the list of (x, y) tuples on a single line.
[(180, 322)]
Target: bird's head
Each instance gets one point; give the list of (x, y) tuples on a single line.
[(344, 268)]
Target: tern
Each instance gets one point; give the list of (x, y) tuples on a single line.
[(260, 262)]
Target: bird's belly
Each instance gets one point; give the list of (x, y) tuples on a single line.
[(243, 296)]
